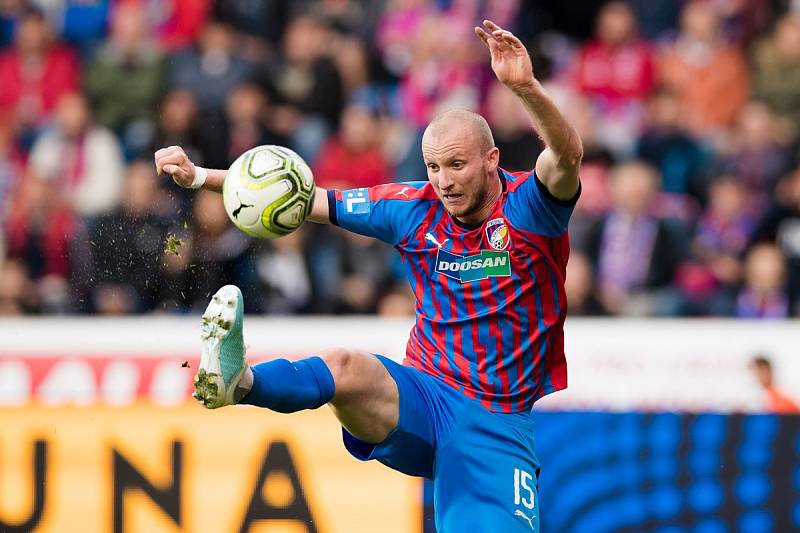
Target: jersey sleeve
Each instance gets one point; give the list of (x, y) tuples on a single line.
[(385, 212), (533, 208)]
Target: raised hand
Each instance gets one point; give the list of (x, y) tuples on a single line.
[(510, 60), (174, 161)]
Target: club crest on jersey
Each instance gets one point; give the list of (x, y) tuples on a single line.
[(487, 264), (497, 234)]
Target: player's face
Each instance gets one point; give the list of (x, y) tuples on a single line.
[(460, 172)]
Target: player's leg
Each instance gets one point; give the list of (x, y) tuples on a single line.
[(486, 476), (354, 383), (360, 389)]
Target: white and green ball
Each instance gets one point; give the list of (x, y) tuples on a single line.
[(268, 191)]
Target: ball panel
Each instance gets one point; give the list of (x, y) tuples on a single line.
[(289, 216), (264, 162)]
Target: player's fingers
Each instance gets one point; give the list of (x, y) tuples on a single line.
[(167, 155), (502, 45), (491, 25), (169, 150), (511, 39), (162, 161), (157, 158), (485, 37), (179, 175), (173, 170), (178, 159), (494, 47), (172, 152)]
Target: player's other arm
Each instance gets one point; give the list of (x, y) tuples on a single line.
[(557, 166), (174, 161)]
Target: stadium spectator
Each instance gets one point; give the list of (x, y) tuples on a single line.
[(397, 302), (634, 253), (263, 20), (776, 73), (82, 24), (84, 161), (615, 70), (210, 70), (780, 225), (11, 168), (742, 21), (219, 252), (757, 151), (352, 62), (763, 294), (284, 274), (597, 164), (665, 144), (246, 111), (580, 287), (353, 17), (777, 401), (35, 73), (17, 290), (656, 19), (616, 67), (178, 23), (348, 272), (709, 75), (128, 246), (41, 233), (306, 86), (710, 280), (444, 70), (125, 80), (511, 129), (364, 269), (353, 158), (177, 125), (397, 30)]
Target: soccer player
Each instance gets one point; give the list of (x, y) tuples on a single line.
[(485, 252)]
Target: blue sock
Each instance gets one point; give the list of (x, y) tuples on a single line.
[(287, 387)]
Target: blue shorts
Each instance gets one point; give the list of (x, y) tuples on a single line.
[(483, 466)]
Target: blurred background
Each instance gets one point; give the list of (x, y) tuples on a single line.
[(685, 252)]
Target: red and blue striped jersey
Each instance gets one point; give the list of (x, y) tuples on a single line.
[(490, 300)]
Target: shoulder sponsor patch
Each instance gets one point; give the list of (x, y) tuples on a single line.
[(497, 234), (356, 201), (487, 264)]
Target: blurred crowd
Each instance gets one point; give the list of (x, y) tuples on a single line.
[(689, 112)]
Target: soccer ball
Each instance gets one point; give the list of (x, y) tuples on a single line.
[(268, 191)]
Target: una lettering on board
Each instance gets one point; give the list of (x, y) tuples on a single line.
[(127, 477)]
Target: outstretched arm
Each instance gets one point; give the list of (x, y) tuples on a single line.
[(557, 166), (174, 161)]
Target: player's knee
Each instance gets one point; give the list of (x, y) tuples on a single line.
[(340, 362), (356, 373)]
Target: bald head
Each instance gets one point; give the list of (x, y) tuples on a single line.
[(461, 121), (461, 159)]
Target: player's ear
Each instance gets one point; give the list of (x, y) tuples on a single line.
[(492, 159)]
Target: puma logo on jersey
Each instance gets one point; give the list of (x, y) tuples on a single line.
[(403, 192), (529, 519), (430, 237)]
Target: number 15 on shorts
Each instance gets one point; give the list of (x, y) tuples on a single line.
[(523, 491)]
